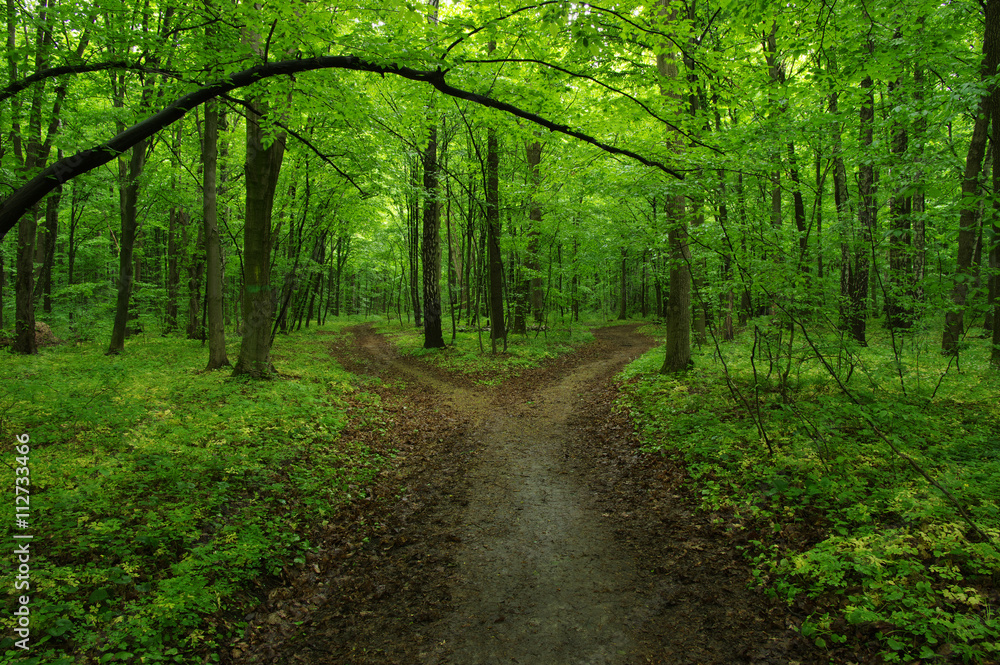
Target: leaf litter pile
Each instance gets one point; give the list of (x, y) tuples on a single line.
[(517, 524)]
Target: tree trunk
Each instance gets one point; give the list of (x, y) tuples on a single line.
[(130, 227), (899, 290), (954, 318), (173, 272), (799, 208), (623, 287), (413, 235), (858, 288), (533, 281), (263, 165), (213, 246), (431, 247), (49, 247), (34, 156), (24, 308), (678, 320), (497, 328), (196, 271)]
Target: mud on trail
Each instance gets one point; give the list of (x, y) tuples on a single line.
[(531, 531)]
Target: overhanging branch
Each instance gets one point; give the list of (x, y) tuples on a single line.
[(27, 196)]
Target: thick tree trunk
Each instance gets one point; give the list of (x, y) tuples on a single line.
[(263, 165), (678, 321), (678, 310), (24, 306), (34, 157), (431, 247), (213, 245), (954, 326)]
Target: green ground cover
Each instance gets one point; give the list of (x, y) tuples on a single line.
[(836, 522), (483, 367), (159, 491)]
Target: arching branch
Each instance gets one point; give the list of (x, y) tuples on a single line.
[(65, 169), (53, 72)]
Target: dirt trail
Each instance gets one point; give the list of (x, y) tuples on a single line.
[(542, 578), (535, 534)]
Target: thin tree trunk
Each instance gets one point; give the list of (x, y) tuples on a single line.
[(413, 235), (130, 227), (858, 289), (623, 290), (533, 281), (196, 273), (899, 290), (173, 273), (49, 255)]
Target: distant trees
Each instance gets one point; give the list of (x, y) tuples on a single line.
[(683, 190)]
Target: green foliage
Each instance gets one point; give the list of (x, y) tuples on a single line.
[(159, 492), (464, 356), (836, 522)]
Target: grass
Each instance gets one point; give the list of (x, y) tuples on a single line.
[(159, 492), (836, 523), (483, 367)]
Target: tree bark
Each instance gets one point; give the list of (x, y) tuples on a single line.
[(413, 236), (954, 323), (213, 245), (497, 328), (623, 287), (858, 288), (678, 306), (899, 290), (533, 281), (130, 227), (34, 156), (431, 246), (678, 323), (262, 167)]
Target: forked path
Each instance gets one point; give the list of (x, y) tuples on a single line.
[(542, 578), (541, 537)]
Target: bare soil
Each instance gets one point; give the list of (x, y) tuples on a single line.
[(519, 524)]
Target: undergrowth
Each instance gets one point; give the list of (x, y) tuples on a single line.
[(160, 492), (482, 366), (836, 523)]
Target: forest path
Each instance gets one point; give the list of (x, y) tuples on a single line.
[(533, 533)]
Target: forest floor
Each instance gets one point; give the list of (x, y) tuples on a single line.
[(519, 523)]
